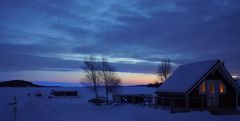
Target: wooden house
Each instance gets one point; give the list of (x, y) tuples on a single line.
[(199, 86)]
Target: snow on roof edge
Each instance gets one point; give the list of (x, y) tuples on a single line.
[(183, 72)]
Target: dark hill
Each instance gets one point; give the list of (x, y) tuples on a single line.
[(18, 83)]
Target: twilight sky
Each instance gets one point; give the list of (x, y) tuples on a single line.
[(47, 40)]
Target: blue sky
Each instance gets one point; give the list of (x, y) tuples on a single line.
[(46, 40)]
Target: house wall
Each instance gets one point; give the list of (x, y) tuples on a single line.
[(164, 99), (239, 100), (225, 100), (197, 100), (229, 98)]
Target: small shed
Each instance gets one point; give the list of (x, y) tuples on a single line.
[(199, 86), (64, 93), (133, 98), (135, 95)]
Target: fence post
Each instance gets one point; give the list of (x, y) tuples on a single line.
[(14, 108), (156, 101), (133, 100), (172, 104), (150, 101), (162, 103), (187, 103), (15, 113)]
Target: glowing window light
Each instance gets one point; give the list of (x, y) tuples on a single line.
[(212, 88), (221, 88), (202, 89)]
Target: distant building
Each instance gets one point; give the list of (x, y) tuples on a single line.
[(64, 93), (200, 86)]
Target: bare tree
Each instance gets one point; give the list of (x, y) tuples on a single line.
[(91, 67), (109, 77), (114, 85), (164, 70)]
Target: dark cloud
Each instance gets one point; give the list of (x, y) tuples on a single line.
[(36, 49), (17, 62), (36, 34), (20, 62)]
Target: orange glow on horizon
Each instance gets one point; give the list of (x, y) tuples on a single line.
[(78, 76), (137, 78)]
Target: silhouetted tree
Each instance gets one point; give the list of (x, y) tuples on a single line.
[(114, 85), (109, 77), (92, 79), (164, 70)]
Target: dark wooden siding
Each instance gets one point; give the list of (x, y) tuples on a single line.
[(229, 98), (225, 100), (196, 100)]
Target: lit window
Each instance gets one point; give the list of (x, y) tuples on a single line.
[(202, 89), (212, 88), (221, 88)]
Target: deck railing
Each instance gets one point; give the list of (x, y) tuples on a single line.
[(175, 103)]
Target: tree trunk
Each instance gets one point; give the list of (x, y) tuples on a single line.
[(96, 93), (107, 95)]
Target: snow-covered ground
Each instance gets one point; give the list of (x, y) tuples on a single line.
[(32, 108)]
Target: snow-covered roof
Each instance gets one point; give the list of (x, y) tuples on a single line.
[(186, 76), (238, 82)]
